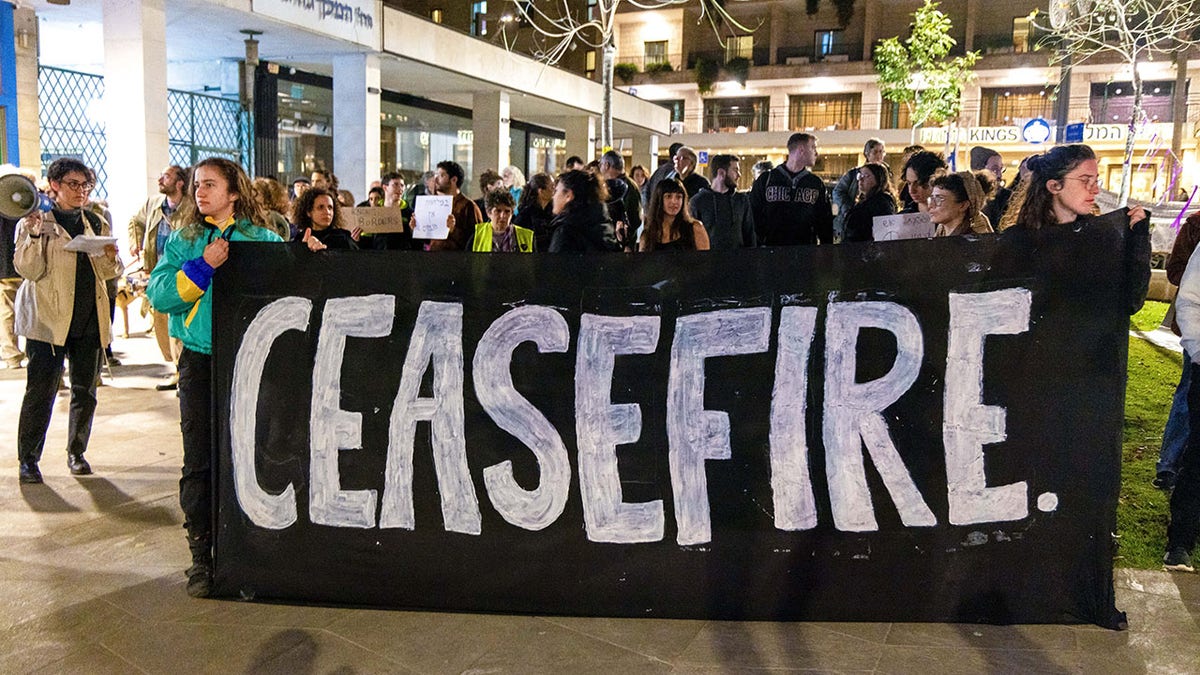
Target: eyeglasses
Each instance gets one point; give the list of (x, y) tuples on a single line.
[(78, 186), (1089, 182), (937, 200)]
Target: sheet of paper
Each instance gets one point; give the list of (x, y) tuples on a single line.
[(902, 226), (91, 245), (431, 212)]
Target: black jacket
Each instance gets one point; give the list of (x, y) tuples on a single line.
[(583, 228), (727, 218), (534, 217), (859, 221), (791, 209)]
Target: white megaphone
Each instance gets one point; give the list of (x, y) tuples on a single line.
[(19, 197)]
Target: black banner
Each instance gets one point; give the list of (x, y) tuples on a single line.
[(915, 430)]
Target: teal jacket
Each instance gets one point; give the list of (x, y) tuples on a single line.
[(180, 283)]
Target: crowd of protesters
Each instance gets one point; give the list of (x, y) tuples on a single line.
[(182, 236)]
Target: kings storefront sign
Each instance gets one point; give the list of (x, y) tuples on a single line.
[(915, 430)]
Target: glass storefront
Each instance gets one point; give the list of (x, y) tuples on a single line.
[(415, 135)]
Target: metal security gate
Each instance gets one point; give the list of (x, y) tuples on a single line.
[(200, 126), (71, 121), (72, 124)]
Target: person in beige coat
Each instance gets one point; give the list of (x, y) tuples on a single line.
[(148, 232), (62, 311)]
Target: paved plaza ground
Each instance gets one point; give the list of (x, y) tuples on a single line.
[(91, 581)]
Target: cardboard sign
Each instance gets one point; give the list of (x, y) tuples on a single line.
[(429, 216), (372, 219), (818, 433), (902, 226)]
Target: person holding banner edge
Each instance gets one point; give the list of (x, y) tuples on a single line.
[(222, 209), (1062, 190)]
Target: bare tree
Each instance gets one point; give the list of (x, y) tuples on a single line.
[(1135, 31), (559, 27)]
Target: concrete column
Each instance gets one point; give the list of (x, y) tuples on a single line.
[(29, 143), (581, 137), (490, 122), (645, 152), (872, 107), (135, 104), (778, 26), (969, 27), (356, 122), (870, 12), (780, 111)]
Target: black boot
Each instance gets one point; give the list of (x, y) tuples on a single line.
[(78, 465), (199, 575)]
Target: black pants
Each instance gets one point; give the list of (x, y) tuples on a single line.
[(43, 375), (1185, 500), (196, 425)]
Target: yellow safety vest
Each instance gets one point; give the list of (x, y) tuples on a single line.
[(483, 238)]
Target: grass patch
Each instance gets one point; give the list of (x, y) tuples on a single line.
[(1149, 317), (1142, 511)]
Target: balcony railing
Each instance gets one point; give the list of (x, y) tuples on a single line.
[(674, 61)]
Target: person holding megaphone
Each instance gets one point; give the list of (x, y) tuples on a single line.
[(62, 311)]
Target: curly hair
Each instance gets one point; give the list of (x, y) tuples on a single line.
[(271, 194), (304, 206), (246, 211)]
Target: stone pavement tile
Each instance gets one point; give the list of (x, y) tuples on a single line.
[(290, 651), (159, 599), (1166, 652), (267, 614), (434, 642), (922, 660), (531, 645), (981, 636), (1159, 614), (167, 647), (430, 642), (778, 645), (54, 592), (58, 633), (661, 639), (93, 660)]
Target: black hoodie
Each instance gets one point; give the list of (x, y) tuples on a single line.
[(791, 208)]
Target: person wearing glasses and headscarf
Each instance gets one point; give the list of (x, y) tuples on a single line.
[(62, 310)]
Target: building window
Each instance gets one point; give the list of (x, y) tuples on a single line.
[(829, 43), (676, 108), (739, 47), (435, 15), (825, 112), (1112, 103), (894, 115), (1026, 35), (591, 10), (737, 115), (590, 63), (655, 52), (479, 17), (1004, 106)]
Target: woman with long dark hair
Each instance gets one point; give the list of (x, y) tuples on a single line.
[(533, 209), (876, 197), (580, 219), (668, 226), (1061, 191), (319, 212), (222, 209)]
